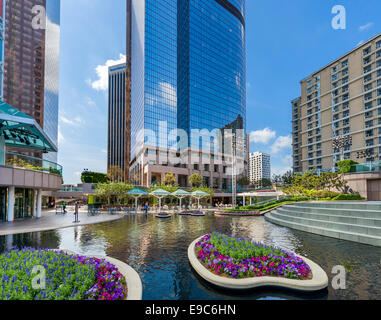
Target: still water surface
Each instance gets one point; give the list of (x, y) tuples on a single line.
[(157, 250)]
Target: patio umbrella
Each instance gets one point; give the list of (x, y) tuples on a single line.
[(136, 194), (198, 195), (181, 194), (160, 193)]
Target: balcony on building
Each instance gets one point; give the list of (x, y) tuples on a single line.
[(24, 179)]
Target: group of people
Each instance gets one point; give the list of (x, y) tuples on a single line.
[(76, 208)]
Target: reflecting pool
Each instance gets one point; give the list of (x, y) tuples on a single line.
[(157, 250)]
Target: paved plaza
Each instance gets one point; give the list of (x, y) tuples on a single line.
[(51, 221)]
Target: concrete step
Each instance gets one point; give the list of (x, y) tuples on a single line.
[(362, 205), (329, 232), (352, 218), (366, 213), (347, 227)]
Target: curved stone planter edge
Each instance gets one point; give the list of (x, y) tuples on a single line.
[(318, 282), (134, 283)]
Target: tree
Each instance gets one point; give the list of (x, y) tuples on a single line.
[(170, 179), (288, 178), (114, 190), (94, 177), (115, 173), (195, 180), (346, 165), (243, 181), (265, 183)]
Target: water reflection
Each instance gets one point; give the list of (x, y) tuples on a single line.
[(157, 249)]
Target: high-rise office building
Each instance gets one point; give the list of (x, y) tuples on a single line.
[(342, 102), (259, 167), (117, 148), (31, 61), (186, 70)]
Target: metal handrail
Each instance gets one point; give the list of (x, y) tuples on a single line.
[(17, 160)]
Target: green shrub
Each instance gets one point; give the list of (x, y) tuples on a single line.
[(346, 165), (349, 197), (321, 194)]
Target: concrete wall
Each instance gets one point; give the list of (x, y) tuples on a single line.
[(24, 178), (367, 184)]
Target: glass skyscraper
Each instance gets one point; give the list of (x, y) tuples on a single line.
[(186, 69), (31, 63), (52, 57), (212, 67)]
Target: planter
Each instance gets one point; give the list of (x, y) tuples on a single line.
[(319, 279), (198, 214), (134, 283), (184, 214), (238, 214), (163, 215)]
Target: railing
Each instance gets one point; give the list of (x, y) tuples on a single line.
[(374, 166), (366, 167), (27, 162), (71, 189)]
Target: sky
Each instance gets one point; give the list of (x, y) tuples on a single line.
[(286, 41)]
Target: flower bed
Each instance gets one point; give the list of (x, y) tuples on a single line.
[(67, 277), (197, 213), (237, 258), (163, 215)]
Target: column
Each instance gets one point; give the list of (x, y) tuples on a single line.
[(39, 203), (244, 200), (251, 201), (11, 204), (34, 203)]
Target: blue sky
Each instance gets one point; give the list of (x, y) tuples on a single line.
[(286, 41)]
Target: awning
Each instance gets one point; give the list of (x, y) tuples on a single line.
[(22, 131)]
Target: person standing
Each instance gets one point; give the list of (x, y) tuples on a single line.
[(64, 207), (146, 208), (76, 211)]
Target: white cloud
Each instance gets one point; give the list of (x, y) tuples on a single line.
[(360, 43), (77, 121), (101, 84), (262, 136), (281, 143), (280, 170), (60, 136), (366, 26)]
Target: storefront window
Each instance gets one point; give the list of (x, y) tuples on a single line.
[(23, 203), (3, 204)]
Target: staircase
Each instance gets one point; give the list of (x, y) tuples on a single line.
[(352, 221)]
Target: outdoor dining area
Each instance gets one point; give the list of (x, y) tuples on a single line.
[(161, 210)]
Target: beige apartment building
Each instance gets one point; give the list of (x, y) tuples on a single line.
[(343, 99)]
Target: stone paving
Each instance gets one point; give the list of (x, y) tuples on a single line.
[(51, 221)]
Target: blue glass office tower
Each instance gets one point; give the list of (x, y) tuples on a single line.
[(186, 66), (52, 57), (211, 66)]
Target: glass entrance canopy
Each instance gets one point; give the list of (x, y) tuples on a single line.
[(22, 131)]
